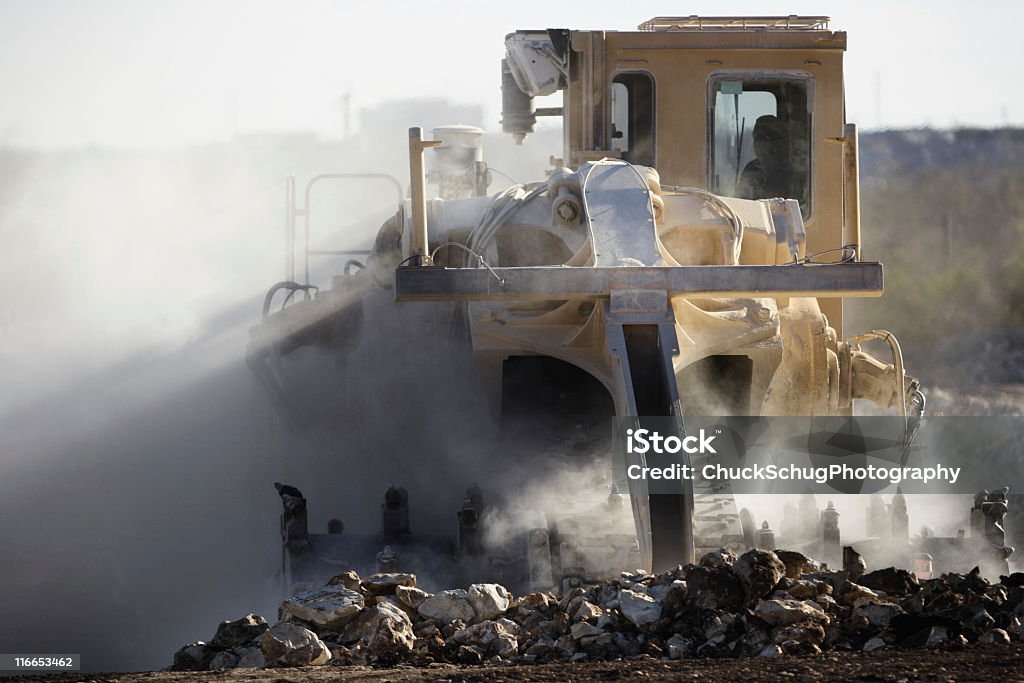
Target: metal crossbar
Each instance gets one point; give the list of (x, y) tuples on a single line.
[(422, 283)]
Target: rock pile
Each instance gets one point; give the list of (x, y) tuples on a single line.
[(759, 604)]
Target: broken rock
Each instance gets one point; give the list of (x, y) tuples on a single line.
[(411, 596), (873, 644), (639, 608), (383, 628), (854, 595), (222, 661), (489, 600), (758, 572), (250, 658), (332, 607), (879, 614), (492, 638), (797, 564), (447, 606), (715, 588), (193, 657), (806, 633), (239, 632), (809, 590), (385, 584), (679, 647), (582, 629), (786, 612), (996, 636), (289, 644), (587, 611), (723, 557), (853, 563), (347, 579), (890, 581)]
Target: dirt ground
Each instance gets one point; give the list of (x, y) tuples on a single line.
[(975, 663)]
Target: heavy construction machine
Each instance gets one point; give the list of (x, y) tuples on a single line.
[(688, 255)]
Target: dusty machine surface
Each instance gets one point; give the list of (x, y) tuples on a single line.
[(689, 254)]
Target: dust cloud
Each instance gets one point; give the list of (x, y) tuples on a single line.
[(138, 451)]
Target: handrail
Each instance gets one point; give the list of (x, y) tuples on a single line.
[(292, 211)]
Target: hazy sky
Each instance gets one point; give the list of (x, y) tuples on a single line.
[(143, 72)]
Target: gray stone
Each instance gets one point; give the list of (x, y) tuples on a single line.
[(718, 625), (875, 643), (758, 571), (411, 596), (330, 607), (854, 595), (239, 632), (582, 629), (250, 658), (853, 563), (397, 604), (289, 644), (533, 601), (493, 638), (805, 589), (785, 612), (827, 603), (978, 617), (678, 647), (587, 611), (447, 606), (711, 647), (347, 579), (723, 557), (385, 584), (597, 641), (796, 563), (935, 637), (996, 636), (566, 645), (659, 591), (890, 580), (879, 614), (639, 608), (805, 633), (489, 600), (193, 657), (467, 654), (222, 661), (383, 628), (542, 648), (715, 588)]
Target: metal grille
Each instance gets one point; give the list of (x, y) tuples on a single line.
[(696, 23)]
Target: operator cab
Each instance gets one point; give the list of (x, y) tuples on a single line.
[(741, 107)]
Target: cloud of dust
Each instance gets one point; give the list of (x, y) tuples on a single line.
[(136, 506)]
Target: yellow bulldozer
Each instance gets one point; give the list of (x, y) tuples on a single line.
[(689, 254)]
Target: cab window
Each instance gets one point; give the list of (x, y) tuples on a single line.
[(633, 117), (760, 130)]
